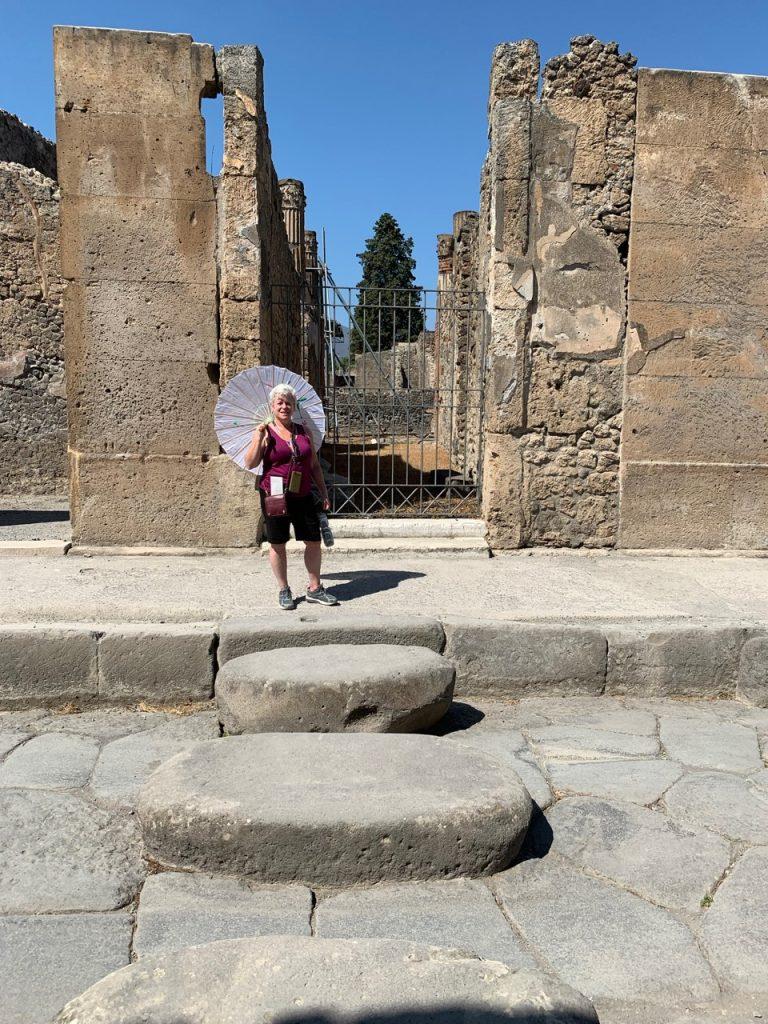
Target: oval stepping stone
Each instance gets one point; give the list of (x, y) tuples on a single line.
[(335, 688), (337, 981), (334, 809)]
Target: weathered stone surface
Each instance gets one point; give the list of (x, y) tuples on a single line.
[(47, 960), (61, 853), (334, 809), (752, 680), (722, 803), (460, 914), (639, 849), (608, 942), (502, 476), (178, 910), (52, 761), (638, 782), (674, 661), (335, 688), (247, 636), (724, 746), (511, 658), (506, 747), (102, 725), (47, 665), (735, 930), (10, 740), (264, 979), (162, 664), (125, 764), (598, 712), (574, 743)]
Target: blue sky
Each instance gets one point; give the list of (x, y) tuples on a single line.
[(381, 105)]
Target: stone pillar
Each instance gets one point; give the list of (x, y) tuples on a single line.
[(294, 203), (138, 252), (314, 351)]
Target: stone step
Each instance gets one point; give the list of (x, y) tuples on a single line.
[(277, 978), (334, 809), (407, 528), (335, 688), (461, 546)]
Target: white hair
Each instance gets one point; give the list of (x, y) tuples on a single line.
[(285, 390)]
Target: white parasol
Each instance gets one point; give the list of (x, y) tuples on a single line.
[(244, 404)]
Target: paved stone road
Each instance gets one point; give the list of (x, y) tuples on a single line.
[(644, 881)]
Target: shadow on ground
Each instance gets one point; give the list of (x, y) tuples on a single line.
[(365, 582), (27, 517)]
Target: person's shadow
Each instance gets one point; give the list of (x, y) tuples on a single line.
[(367, 581)]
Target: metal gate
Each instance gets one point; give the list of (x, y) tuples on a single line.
[(402, 383)]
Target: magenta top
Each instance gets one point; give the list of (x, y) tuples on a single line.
[(279, 455)]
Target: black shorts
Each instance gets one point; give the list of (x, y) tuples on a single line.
[(302, 515)]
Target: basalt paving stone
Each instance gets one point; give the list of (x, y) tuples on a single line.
[(47, 960), (584, 743), (640, 849), (334, 808), (598, 712), (125, 764), (105, 726), (337, 981), (760, 780), (460, 913), (180, 909), (509, 748), (52, 761), (606, 942), (62, 853), (723, 803), (638, 782), (735, 930), (470, 715), (717, 746), (10, 740), (335, 688)]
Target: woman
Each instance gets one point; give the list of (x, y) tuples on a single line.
[(290, 466)]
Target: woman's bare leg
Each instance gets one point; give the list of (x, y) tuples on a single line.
[(278, 559), (313, 557)]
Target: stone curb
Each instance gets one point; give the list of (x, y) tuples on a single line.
[(169, 664)]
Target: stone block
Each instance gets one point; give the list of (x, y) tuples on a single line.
[(147, 322), (674, 505), (589, 159), (51, 761), (47, 665), (335, 688), (160, 664), (163, 500), (714, 746), (244, 136), (674, 661), (502, 481), (105, 71), (752, 680), (507, 659), (334, 809), (62, 854), (510, 128), (238, 637), (242, 321), (158, 156), (637, 782), (700, 419), (685, 339), (586, 743), (121, 238), (45, 961), (295, 970), (177, 910), (723, 803), (698, 110), (242, 240), (460, 914)]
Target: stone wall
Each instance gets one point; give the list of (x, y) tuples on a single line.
[(555, 193), (33, 428), (694, 454)]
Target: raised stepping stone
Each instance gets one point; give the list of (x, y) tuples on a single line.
[(264, 980), (334, 809), (335, 688)]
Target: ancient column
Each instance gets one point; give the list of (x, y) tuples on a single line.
[(294, 203)]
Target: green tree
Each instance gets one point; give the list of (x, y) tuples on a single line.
[(389, 302)]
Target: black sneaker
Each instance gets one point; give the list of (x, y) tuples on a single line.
[(286, 600), (321, 596), (325, 530)]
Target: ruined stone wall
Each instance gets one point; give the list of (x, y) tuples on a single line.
[(138, 251), (555, 191), (33, 429), (694, 455), (260, 287)]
